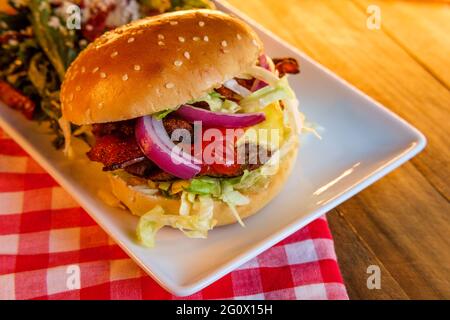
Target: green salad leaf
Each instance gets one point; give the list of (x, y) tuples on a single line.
[(267, 95), (162, 114), (205, 186), (58, 43)]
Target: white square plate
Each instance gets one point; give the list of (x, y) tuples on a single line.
[(362, 142)]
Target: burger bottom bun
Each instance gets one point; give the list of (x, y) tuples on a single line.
[(139, 203)]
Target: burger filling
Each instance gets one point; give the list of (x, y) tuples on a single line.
[(236, 136)]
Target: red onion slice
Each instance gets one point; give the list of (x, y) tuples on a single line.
[(264, 63), (155, 143), (219, 119)]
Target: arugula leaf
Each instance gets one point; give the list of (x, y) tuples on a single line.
[(57, 43)]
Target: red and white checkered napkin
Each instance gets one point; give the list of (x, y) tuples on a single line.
[(45, 237)]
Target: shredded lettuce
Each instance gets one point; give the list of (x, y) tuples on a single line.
[(233, 198), (205, 186), (165, 186), (267, 95), (218, 103), (194, 223), (214, 100), (162, 114), (229, 106), (185, 204)]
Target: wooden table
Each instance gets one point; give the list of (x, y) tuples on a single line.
[(401, 223)]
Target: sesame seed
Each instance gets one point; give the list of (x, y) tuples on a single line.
[(173, 23), (239, 37), (160, 37), (160, 43), (137, 67), (71, 97), (89, 27), (125, 77), (83, 69), (196, 38), (170, 85), (187, 55), (140, 32), (206, 38), (255, 42), (181, 39), (114, 54), (178, 63), (95, 69), (78, 88), (224, 43), (201, 23), (100, 105), (131, 40), (102, 75)]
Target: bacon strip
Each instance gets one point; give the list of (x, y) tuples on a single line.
[(286, 65), (228, 94), (123, 165), (16, 100), (246, 83), (112, 150)]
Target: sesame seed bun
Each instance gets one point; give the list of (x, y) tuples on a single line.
[(155, 64), (139, 203)]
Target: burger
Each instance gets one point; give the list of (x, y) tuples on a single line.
[(196, 126)]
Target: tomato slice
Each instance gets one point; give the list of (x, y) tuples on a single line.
[(219, 164)]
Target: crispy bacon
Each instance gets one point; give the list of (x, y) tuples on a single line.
[(254, 158), (246, 83), (286, 65), (113, 150), (148, 170), (201, 105), (117, 148), (119, 128), (228, 94), (16, 100), (125, 164)]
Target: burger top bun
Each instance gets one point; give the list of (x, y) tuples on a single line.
[(155, 64)]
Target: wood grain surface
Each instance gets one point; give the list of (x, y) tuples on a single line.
[(401, 223)]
